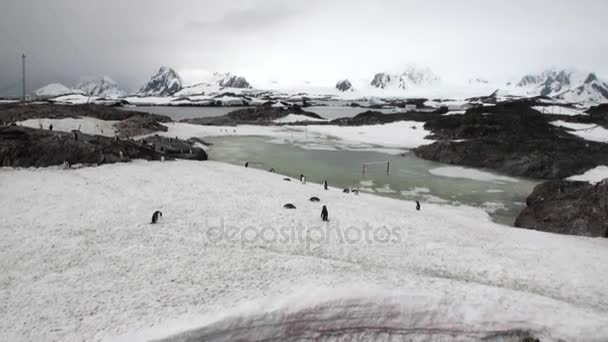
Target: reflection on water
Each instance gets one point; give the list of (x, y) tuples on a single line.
[(342, 166)]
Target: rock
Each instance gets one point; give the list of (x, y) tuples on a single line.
[(25, 147), (511, 138), (289, 206), (19, 112), (260, 115), (344, 85), (138, 125), (377, 118), (315, 199), (176, 148), (565, 207)]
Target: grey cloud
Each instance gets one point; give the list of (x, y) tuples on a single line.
[(316, 40)]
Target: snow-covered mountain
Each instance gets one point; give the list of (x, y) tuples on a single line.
[(102, 86), (217, 83), (592, 90), (228, 80), (344, 85), (409, 78), (165, 82), (570, 85), (54, 89)]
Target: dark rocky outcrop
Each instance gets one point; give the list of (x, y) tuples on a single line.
[(344, 85), (375, 118), (14, 112), (176, 148), (25, 147), (260, 115), (512, 138), (138, 125), (564, 207), (599, 114)]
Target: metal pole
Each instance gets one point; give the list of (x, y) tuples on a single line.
[(23, 74)]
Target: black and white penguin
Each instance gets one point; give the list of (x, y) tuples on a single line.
[(156, 216), (324, 214)]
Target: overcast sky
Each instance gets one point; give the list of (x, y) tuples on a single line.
[(319, 41)]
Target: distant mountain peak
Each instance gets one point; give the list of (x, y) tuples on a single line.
[(412, 76), (164, 82), (344, 85), (228, 80), (53, 90), (567, 84), (100, 86)]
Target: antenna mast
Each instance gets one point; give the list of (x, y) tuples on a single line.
[(23, 74)]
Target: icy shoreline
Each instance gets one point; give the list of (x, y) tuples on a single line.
[(79, 260)]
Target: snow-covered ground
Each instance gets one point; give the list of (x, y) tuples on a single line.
[(591, 132), (402, 134), (467, 173), (559, 110), (291, 118), (80, 261), (85, 125), (595, 175)]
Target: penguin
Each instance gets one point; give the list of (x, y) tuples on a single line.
[(324, 214), (325, 184), (417, 205), (346, 191), (289, 206), (156, 216), (315, 199), (355, 191), (271, 170), (247, 164)]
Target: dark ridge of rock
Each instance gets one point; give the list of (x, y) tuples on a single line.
[(138, 125), (260, 115), (13, 112), (25, 147), (176, 148), (599, 114), (374, 118), (511, 138), (564, 207)]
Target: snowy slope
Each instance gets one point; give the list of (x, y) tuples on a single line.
[(81, 261), (54, 89), (85, 125), (591, 132), (102, 86), (595, 175)]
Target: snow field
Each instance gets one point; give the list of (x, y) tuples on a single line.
[(80, 261)]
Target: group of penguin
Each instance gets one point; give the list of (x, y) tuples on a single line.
[(324, 213)]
